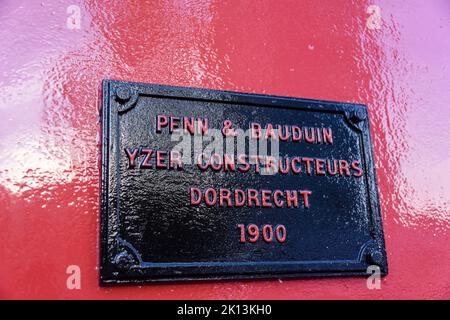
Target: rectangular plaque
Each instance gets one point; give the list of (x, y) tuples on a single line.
[(200, 184)]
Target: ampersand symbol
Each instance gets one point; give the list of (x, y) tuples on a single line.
[(227, 129)]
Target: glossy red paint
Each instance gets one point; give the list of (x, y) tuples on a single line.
[(335, 50)]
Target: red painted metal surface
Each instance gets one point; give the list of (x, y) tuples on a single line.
[(50, 72)]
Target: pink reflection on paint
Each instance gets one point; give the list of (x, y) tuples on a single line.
[(417, 68)]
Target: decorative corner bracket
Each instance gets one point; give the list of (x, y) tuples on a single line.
[(127, 98)]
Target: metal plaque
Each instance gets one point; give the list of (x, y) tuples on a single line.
[(200, 184)]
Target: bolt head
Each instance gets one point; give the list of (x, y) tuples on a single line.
[(359, 115), (123, 261), (123, 94), (375, 257)]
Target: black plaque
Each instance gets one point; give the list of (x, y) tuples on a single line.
[(316, 215)]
